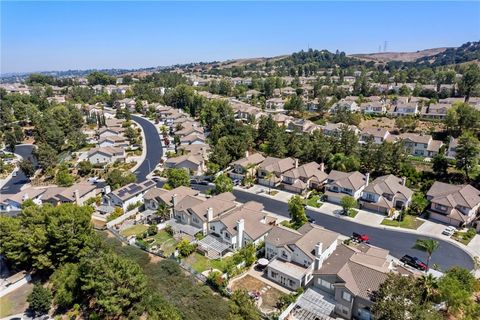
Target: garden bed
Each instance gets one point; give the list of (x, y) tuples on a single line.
[(314, 201)]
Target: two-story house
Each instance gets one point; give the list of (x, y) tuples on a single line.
[(350, 276), (340, 184), (194, 164), (386, 193), (307, 176), (435, 111), (246, 165), (113, 141), (156, 197), (402, 109), (130, 194), (457, 205), (108, 132), (295, 254), (345, 105), (275, 105), (270, 171), (379, 135), (421, 144), (373, 107)]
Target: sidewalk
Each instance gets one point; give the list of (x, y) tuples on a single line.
[(429, 228)]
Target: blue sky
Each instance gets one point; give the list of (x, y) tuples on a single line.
[(38, 36)]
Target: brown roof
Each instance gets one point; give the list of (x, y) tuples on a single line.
[(166, 195), (351, 180), (454, 195), (311, 236), (417, 138), (273, 164), (219, 204), (388, 184), (307, 171), (254, 158)]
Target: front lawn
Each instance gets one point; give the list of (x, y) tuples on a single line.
[(134, 230), (409, 222), (200, 263), (314, 202)]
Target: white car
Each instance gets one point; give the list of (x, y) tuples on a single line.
[(449, 231)]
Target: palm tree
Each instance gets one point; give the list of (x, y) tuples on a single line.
[(428, 246), (428, 284), (269, 177), (163, 212)]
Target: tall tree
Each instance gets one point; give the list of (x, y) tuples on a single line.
[(427, 245), (223, 184), (470, 80), (296, 209), (467, 152), (39, 300)]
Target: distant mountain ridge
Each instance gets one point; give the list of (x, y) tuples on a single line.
[(399, 56)]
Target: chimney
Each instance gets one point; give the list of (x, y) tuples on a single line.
[(404, 180), (318, 256), (240, 229), (77, 196), (247, 154), (296, 163), (367, 178), (322, 167), (174, 200), (209, 214)]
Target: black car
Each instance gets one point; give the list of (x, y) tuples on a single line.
[(414, 262)]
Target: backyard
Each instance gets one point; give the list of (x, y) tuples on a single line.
[(269, 295), (200, 263), (163, 241), (409, 222), (134, 230)]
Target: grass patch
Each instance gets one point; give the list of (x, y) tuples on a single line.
[(352, 213), (5, 307), (272, 192), (314, 202), (134, 230), (200, 263), (409, 222), (464, 237)]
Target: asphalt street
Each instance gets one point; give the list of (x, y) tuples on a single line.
[(15, 184)]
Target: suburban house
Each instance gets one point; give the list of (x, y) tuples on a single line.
[(332, 128), (457, 205), (341, 184), (275, 105), (106, 155), (128, 195), (125, 103), (347, 104), (270, 171), (107, 132), (113, 123), (113, 141), (402, 109), (195, 164), (349, 277), (193, 138), (421, 144), (379, 135), (155, 197), (301, 125), (200, 212), (386, 193), (295, 254), (11, 204), (435, 111), (243, 225), (373, 107), (304, 177), (245, 165)]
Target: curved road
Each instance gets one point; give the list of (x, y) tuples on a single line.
[(154, 148), (397, 242), (15, 184)]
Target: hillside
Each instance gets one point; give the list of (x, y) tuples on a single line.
[(398, 56)]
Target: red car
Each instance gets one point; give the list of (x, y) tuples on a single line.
[(360, 237)]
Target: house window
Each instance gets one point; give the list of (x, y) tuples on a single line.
[(274, 274), (212, 228), (440, 207), (346, 296), (196, 221), (325, 284), (227, 235)]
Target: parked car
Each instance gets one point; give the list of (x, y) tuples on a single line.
[(194, 181), (14, 174), (357, 237), (449, 231), (310, 219), (414, 262), (236, 182)]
